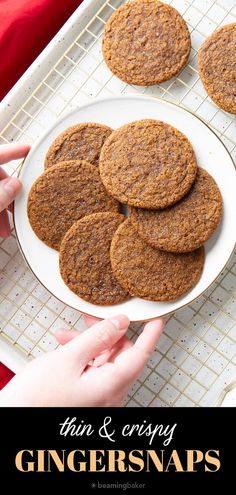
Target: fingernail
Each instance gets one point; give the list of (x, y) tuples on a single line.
[(121, 322), (11, 185)]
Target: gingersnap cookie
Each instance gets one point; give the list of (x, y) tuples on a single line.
[(80, 142), (62, 195), (146, 42), (148, 164), (217, 67), (85, 259), (150, 273), (186, 225)]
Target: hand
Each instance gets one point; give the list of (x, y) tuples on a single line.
[(9, 186), (95, 368)]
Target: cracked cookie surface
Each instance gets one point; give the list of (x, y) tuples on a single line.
[(62, 195), (148, 164), (146, 42), (150, 273), (217, 67), (79, 142), (85, 259), (186, 225)]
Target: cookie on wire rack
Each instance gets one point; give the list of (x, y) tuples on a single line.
[(217, 67), (146, 42)]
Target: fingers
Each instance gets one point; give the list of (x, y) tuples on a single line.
[(121, 346), (149, 337), (98, 338), (10, 152), (110, 355), (90, 320), (101, 358), (9, 189), (5, 229), (64, 335), (3, 174), (131, 362)]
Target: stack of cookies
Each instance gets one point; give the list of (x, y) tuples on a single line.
[(70, 210), (174, 206)]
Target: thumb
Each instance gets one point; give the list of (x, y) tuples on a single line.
[(9, 189), (98, 338)]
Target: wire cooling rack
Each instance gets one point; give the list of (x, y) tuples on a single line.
[(196, 356)]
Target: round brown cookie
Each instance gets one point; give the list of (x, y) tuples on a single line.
[(150, 273), (85, 259), (80, 142), (217, 67), (148, 164), (186, 225), (146, 42), (62, 195)]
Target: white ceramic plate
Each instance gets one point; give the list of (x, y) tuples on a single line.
[(114, 112)]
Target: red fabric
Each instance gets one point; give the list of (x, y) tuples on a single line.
[(5, 375), (26, 28)]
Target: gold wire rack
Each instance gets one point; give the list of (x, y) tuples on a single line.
[(196, 356)]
